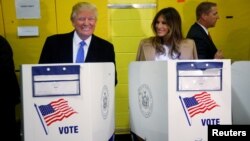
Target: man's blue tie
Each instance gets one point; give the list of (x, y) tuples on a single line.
[(80, 53)]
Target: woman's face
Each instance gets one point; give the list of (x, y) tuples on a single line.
[(161, 27)]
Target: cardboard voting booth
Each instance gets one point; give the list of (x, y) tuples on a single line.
[(240, 92), (63, 102), (176, 100)]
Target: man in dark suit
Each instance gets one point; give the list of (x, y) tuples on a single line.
[(206, 15), (63, 48), (10, 93)]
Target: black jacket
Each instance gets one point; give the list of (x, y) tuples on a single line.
[(204, 45), (59, 49)]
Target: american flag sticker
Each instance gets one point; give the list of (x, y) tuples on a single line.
[(55, 111), (197, 104)]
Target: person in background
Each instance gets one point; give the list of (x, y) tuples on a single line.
[(168, 42), (63, 48), (10, 93), (206, 16)]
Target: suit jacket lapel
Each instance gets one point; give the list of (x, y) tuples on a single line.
[(149, 51), (204, 34), (92, 52), (67, 43)]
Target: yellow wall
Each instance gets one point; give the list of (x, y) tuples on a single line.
[(1, 20), (232, 34), (124, 28), (127, 27), (27, 49)]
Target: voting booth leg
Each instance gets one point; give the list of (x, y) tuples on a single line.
[(134, 137), (112, 138)]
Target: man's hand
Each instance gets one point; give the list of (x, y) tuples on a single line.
[(218, 55)]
